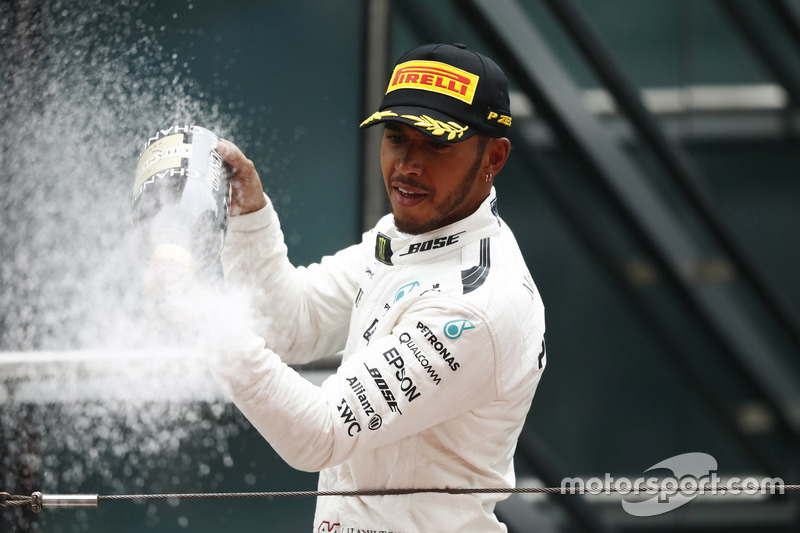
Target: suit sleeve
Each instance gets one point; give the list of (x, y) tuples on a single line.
[(302, 313), (438, 362)]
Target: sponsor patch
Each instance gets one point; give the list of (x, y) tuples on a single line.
[(433, 244), (439, 346), (386, 392), (420, 356), (383, 249), (361, 395), (454, 328), (404, 290), (349, 419), (370, 330), (394, 358), (435, 77)]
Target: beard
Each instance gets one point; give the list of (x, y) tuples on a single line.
[(445, 207)]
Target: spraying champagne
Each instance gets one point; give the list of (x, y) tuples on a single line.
[(180, 205)]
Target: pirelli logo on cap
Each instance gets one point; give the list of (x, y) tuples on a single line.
[(435, 77)]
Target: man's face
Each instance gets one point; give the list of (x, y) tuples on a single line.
[(430, 183)]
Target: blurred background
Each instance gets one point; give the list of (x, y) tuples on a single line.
[(652, 187)]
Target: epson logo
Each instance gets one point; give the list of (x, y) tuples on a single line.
[(394, 358), (433, 244)]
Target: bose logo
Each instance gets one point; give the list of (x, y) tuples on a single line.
[(433, 244)]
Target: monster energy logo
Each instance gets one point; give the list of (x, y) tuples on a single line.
[(383, 249)]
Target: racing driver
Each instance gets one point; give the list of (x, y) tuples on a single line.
[(439, 322)]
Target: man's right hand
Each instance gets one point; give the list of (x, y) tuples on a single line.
[(247, 193)]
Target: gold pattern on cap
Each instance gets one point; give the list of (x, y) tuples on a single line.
[(437, 127), (378, 115)]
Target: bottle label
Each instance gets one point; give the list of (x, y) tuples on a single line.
[(163, 155)]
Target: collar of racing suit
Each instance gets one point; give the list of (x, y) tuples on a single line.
[(393, 247)]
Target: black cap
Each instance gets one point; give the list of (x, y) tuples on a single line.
[(448, 92)]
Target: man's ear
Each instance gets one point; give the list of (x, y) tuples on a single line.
[(497, 153)]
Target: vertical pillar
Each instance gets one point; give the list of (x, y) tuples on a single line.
[(375, 71)]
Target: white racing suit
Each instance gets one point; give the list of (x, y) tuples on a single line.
[(443, 338)]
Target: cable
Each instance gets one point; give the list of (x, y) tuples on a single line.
[(37, 500)]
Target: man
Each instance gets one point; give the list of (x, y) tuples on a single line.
[(440, 323)]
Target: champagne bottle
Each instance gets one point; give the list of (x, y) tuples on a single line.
[(181, 200)]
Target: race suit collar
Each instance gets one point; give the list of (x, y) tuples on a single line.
[(393, 247)]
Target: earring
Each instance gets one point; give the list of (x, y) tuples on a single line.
[(488, 177)]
